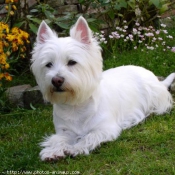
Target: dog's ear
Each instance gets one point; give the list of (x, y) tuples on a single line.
[(81, 31), (44, 32)]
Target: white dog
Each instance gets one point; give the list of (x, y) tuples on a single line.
[(90, 106)]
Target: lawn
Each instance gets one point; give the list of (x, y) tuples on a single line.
[(146, 149)]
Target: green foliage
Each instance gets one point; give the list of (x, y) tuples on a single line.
[(13, 46), (43, 11), (142, 38), (113, 12), (3, 98), (97, 13)]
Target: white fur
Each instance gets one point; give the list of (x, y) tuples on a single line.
[(95, 106)]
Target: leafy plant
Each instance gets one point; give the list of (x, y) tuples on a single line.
[(45, 12), (114, 12), (12, 47), (31, 18), (140, 37)]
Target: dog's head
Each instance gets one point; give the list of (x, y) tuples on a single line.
[(67, 70)]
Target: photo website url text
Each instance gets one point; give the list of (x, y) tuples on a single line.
[(11, 172)]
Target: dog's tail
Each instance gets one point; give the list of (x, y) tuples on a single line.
[(169, 80)]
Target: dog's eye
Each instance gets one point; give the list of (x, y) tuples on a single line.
[(49, 65), (71, 63)]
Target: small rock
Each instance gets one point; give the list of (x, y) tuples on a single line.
[(25, 96), (15, 94), (32, 96)]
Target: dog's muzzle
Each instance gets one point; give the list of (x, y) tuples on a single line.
[(57, 82)]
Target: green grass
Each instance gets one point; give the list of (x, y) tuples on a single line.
[(142, 150), (161, 63), (146, 149)]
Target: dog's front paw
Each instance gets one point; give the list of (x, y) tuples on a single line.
[(74, 151), (55, 148), (52, 154)]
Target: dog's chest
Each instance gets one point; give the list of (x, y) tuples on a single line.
[(78, 119)]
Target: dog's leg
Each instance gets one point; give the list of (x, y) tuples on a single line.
[(93, 139), (55, 147)]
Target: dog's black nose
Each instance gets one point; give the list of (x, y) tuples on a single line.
[(57, 81)]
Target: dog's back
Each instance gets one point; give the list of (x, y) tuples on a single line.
[(136, 92)]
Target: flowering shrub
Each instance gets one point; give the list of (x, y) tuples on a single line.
[(12, 47), (173, 49), (11, 41), (113, 12), (139, 37)]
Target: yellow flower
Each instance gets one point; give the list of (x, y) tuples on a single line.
[(20, 41), (14, 7), (18, 36), (2, 58), (12, 13), (7, 76), (14, 47), (7, 1), (3, 27), (1, 47), (22, 55), (6, 7), (10, 37), (22, 50), (25, 35), (6, 44), (6, 66), (7, 30), (8, 53), (1, 76)]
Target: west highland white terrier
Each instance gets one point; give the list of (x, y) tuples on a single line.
[(90, 106)]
